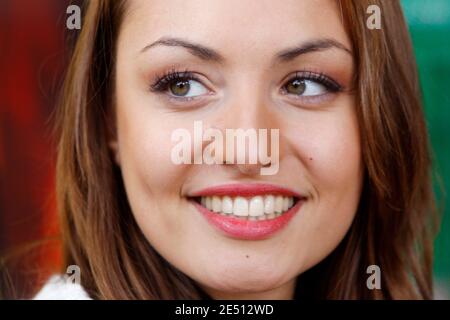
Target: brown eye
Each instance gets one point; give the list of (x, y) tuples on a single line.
[(306, 87), (180, 87), (186, 88), (297, 87)]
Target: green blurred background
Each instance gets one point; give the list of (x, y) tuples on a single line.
[(429, 23)]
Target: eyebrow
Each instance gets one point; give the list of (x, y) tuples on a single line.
[(209, 54)]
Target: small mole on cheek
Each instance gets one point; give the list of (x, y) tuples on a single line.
[(310, 158), (246, 255)]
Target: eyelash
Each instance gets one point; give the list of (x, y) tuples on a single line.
[(319, 77), (162, 82)]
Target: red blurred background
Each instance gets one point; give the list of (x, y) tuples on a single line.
[(33, 55)]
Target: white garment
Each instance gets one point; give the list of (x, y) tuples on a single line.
[(57, 288)]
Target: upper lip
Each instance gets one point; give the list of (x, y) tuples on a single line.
[(246, 190)]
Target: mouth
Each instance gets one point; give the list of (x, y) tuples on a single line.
[(259, 208), (248, 211)]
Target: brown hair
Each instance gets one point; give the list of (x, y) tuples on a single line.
[(391, 228)]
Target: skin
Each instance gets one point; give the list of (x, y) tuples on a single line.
[(320, 154)]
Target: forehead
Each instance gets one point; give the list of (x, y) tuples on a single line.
[(235, 27)]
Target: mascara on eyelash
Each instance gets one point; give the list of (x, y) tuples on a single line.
[(319, 77), (161, 82)]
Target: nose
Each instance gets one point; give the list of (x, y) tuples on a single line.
[(248, 113), (248, 103)]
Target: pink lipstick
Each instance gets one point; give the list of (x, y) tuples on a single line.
[(248, 211)]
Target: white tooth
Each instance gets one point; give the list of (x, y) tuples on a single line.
[(216, 204), (269, 204), (278, 204), (208, 203), (285, 203), (240, 207), (227, 205), (291, 202), (203, 201), (256, 207)]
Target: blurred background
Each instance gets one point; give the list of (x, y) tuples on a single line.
[(34, 50), (429, 24)]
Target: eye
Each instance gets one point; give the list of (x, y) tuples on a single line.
[(303, 87), (187, 88), (310, 84), (179, 85)]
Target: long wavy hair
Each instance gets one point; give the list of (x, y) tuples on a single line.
[(393, 228)]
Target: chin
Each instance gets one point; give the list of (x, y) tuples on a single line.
[(244, 280)]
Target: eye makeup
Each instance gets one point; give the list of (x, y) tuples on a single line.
[(330, 84), (162, 83)]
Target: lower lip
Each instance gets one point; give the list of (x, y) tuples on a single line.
[(248, 229)]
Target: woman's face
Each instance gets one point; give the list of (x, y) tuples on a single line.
[(268, 229)]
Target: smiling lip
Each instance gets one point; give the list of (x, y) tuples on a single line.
[(246, 190), (243, 228)]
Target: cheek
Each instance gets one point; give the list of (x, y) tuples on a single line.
[(328, 146), (327, 143), (336, 174), (335, 155), (144, 149), (152, 182), (144, 138)]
